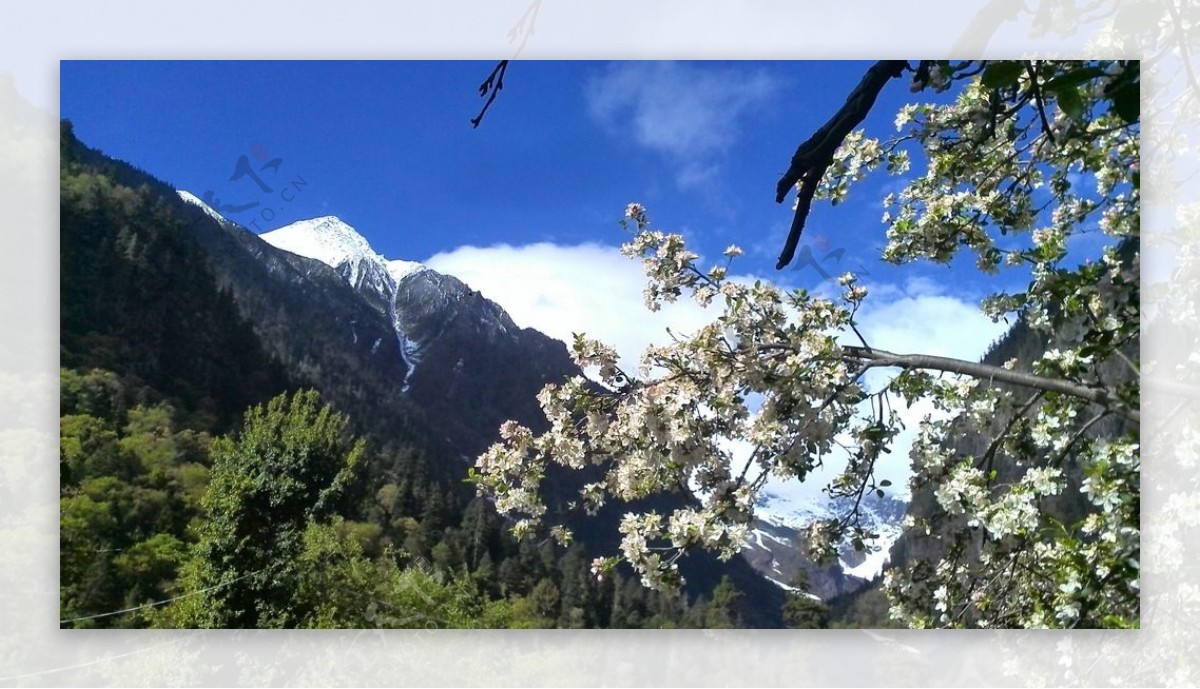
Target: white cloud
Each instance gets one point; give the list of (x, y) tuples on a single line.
[(687, 113), (594, 289), (561, 290), (923, 318)]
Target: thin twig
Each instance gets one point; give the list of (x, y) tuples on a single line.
[(860, 336), (990, 454), (1062, 454), (1132, 366)]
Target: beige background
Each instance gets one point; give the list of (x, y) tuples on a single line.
[(34, 652)]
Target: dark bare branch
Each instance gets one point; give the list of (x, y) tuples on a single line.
[(808, 187), (813, 156)]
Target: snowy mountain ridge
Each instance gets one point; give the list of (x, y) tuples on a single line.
[(331, 241), (327, 239), (335, 243), (776, 545), (420, 304), (197, 201)]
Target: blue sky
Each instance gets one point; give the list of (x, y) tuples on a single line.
[(525, 208), (388, 147)]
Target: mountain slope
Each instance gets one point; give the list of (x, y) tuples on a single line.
[(138, 297), (467, 363), (920, 550)]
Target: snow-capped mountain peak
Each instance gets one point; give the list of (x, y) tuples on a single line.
[(331, 241), (327, 239)]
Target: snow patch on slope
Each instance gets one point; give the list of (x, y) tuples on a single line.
[(191, 198), (338, 245), (399, 269), (791, 513), (872, 564)]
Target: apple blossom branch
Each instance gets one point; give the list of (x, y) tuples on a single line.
[(880, 358)]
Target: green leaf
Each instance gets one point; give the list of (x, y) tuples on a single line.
[(885, 483), (1070, 102), (1126, 101), (1069, 80), (1002, 73)]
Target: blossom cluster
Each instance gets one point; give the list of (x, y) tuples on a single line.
[(767, 371)]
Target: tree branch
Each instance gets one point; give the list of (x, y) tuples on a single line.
[(493, 84), (990, 455), (1061, 454), (877, 357), (1036, 90), (813, 156), (808, 187)]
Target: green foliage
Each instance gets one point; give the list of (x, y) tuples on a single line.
[(288, 469), (1002, 73), (116, 547), (544, 603), (722, 611), (85, 527), (88, 448), (864, 609), (420, 598), (95, 392), (336, 583), (122, 529), (149, 438), (137, 299), (801, 610), (148, 567)]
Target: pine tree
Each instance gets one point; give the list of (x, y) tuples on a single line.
[(722, 611), (801, 611)]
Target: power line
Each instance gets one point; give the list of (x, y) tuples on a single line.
[(158, 602)]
